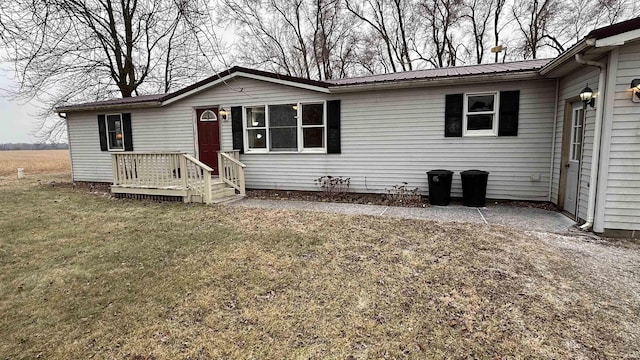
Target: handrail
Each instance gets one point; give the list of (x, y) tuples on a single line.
[(198, 162), (197, 177), (237, 162), (231, 170)]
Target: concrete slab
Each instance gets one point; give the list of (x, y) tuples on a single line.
[(511, 216), (527, 218)]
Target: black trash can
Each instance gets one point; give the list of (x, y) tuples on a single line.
[(474, 187), (439, 186)]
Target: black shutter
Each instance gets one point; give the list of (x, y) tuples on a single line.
[(453, 110), (102, 132), (509, 109), (236, 128), (333, 127), (126, 130)]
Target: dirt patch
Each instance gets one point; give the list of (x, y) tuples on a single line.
[(350, 198), (377, 199)]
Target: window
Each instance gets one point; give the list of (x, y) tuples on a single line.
[(576, 134), (480, 116), (208, 116), (256, 128), (115, 135), (294, 127), (313, 126), (283, 127)]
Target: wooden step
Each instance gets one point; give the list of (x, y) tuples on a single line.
[(227, 200), (222, 193), (217, 184)]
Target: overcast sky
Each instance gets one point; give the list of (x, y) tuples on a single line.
[(17, 120)]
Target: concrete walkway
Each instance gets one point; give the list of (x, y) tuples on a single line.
[(511, 216)]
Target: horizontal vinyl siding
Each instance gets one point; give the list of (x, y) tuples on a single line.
[(88, 162), (570, 86), (388, 137), (395, 136), (151, 129), (622, 209)]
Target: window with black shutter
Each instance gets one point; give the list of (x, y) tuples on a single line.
[(115, 132), (482, 114)]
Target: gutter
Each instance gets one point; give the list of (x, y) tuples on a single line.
[(463, 79), (146, 104), (597, 135), (578, 48)]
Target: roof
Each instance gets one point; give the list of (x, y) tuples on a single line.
[(450, 72), (615, 29), (158, 99), (427, 74)]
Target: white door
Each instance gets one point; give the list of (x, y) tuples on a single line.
[(575, 155)]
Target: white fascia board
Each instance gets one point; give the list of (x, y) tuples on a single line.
[(97, 107), (246, 75), (403, 84), (619, 39), (566, 56)]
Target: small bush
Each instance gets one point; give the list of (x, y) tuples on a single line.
[(403, 196), (333, 186)]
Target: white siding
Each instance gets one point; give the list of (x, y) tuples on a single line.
[(622, 209), (395, 136), (388, 137), (170, 130), (569, 87)]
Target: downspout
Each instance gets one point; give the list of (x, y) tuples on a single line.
[(553, 139), (595, 157)]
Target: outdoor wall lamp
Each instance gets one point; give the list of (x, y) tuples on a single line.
[(224, 114), (586, 95), (635, 86)]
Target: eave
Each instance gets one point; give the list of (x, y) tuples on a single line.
[(432, 82)]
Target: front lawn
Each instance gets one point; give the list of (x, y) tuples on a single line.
[(83, 275)]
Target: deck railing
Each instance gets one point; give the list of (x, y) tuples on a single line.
[(162, 170), (231, 170)]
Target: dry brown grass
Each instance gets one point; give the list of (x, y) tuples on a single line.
[(85, 276), (34, 162)]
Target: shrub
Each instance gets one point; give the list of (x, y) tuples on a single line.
[(403, 196), (333, 186)]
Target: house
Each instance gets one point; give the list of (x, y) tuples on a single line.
[(524, 122)]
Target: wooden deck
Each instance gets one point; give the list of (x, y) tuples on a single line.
[(177, 174)]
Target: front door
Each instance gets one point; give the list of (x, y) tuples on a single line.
[(575, 156), (209, 137)]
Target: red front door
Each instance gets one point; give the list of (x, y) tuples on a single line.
[(209, 137)]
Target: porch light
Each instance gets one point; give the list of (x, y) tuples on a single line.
[(586, 95), (224, 114), (635, 87)]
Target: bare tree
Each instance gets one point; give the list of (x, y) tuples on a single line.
[(478, 13), (79, 50), (390, 20), (497, 14), (534, 19), (441, 17)]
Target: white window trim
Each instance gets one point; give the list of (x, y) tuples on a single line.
[(106, 125), (245, 130), (496, 106), (301, 148)]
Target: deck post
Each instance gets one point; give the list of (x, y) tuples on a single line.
[(183, 176), (114, 167), (207, 187), (243, 192)]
